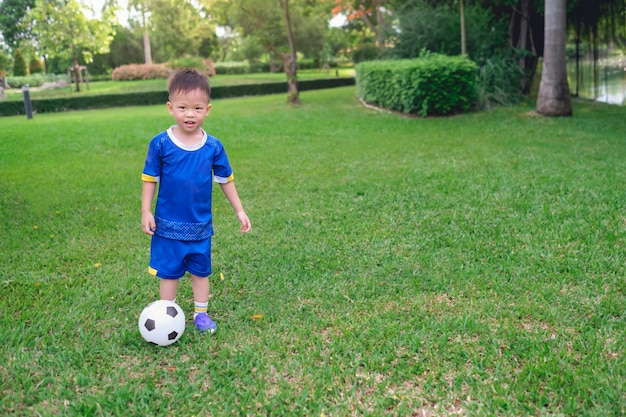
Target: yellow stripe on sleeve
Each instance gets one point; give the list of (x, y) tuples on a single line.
[(149, 178)]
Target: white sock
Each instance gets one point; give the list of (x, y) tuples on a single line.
[(200, 308)]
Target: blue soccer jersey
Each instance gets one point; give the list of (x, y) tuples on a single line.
[(185, 176)]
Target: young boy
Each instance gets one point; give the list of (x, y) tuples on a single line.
[(185, 160)]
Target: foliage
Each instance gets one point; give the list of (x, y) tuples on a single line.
[(159, 96), (19, 64), (430, 85), (263, 20), (187, 33), (205, 65), (34, 80), (436, 28), (498, 82), (5, 63), (458, 266), (126, 48), (35, 66), (62, 29), (12, 13), (364, 52), (597, 20), (140, 72), (232, 67)]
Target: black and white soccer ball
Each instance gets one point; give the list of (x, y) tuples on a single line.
[(162, 322)]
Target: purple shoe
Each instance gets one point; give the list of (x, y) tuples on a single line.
[(204, 323)]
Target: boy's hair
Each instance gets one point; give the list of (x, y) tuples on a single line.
[(188, 79)]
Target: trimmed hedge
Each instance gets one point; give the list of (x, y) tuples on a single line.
[(431, 85), (12, 108)]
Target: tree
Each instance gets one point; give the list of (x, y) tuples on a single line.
[(61, 29), (371, 12), (12, 13), (126, 48), (143, 7), (271, 23), (5, 62), (291, 59), (554, 96), (167, 38), (19, 63)]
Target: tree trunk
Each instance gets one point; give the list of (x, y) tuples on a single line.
[(290, 60), (147, 50), (521, 36), (380, 25), (76, 69), (554, 96), (463, 41)]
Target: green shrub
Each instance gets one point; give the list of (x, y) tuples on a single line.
[(35, 80), (5, 63), (258, 67), (140, 72), (14, 107), (364, 52), (431, 85), (195, 62), (35, 66), (232, 67), (201, 64), (498, 82), (19, 64)]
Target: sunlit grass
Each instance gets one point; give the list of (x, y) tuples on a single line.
[(471, 265)]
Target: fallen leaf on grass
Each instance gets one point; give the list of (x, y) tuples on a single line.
[(256, 317)]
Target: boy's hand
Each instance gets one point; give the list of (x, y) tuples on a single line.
[(245, 222), (148, 224)]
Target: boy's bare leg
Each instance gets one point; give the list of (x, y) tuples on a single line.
[(168, 289)]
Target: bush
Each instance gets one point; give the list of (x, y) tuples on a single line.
[(432, 85), (140, 72), (364, 52), (15, 107), (19, 64), (35, 66), (204, 65), (232, 68), (499, 82), (35, 80)]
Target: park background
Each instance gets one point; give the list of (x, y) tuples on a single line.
[(398, 265)]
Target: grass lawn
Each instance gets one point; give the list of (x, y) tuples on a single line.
[(470, 265), (122, 87)]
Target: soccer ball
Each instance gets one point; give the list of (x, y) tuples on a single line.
[(162, 322)]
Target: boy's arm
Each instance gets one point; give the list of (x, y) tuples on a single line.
[(230, 191), (147, 219)]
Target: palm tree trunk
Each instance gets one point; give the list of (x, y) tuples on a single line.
[(554, 96)]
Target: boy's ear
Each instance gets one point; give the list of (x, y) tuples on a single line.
[(169, 107), (208, 108)]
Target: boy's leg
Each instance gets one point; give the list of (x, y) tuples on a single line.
[(200, 288), (168, 289)]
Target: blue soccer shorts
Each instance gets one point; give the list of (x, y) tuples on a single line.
[(170, 259)]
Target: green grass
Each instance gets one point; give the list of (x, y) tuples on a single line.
[(121, 87), (470, 265)]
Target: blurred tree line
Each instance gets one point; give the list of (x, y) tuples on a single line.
[(505, 37)]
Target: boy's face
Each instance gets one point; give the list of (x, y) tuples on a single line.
[(189, 109)]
